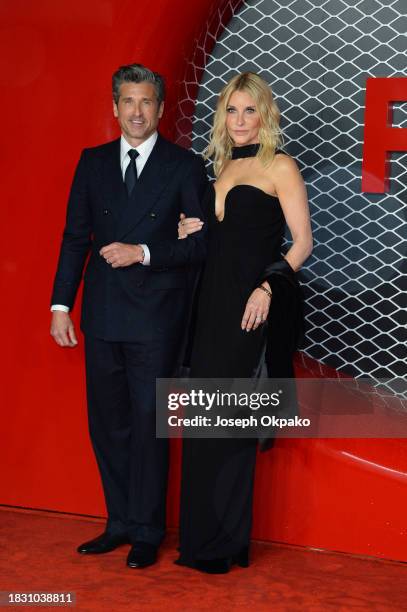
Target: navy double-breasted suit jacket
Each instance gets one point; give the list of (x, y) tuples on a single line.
[(132, 303)]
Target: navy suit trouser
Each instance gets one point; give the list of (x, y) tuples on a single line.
[(133, 463)]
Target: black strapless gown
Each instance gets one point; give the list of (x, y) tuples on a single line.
[(217, 474)]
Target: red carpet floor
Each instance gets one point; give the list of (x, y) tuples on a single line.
[(38, 554)]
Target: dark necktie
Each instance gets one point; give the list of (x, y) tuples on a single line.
[(130, 176)]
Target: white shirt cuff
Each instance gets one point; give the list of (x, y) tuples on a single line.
[(59, 307), (146, 261)]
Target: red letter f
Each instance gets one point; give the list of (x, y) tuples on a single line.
[(380, 136)]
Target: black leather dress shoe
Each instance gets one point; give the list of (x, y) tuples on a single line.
[(142, 554), (102, 544)]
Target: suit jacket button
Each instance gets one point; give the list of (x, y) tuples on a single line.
[(153, 215), (106, 211)]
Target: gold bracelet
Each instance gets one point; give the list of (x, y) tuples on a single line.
[(266, 291)]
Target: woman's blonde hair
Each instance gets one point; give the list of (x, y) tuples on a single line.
[(270, 135)]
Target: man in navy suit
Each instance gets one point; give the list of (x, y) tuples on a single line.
[(123, 210)]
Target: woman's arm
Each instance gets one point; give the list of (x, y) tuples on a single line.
[(291, 192)]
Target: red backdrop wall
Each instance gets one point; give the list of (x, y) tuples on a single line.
[(56, 63), (56, 59)]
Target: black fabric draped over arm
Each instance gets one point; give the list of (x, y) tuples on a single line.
[(285, 327)]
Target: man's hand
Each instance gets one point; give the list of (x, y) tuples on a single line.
[(120, 255), (257, 309), (62, 329)]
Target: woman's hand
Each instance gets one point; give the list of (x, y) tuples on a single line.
[(257, 308), (188, 225)]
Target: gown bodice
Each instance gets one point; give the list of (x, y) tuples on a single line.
[(240, 247)]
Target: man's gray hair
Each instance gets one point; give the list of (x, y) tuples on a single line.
[(137, 73)]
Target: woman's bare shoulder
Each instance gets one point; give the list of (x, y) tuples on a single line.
[(283, 165), (283, 159)]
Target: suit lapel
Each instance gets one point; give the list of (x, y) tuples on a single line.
[(114, 187), (153, 179)]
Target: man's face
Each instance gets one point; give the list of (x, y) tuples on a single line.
[(138, 111)]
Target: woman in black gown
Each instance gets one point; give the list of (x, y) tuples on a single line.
[(258, 189)]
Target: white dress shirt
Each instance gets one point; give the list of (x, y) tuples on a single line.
[(144, 150)]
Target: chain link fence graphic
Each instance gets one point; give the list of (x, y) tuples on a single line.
[(316, 55)]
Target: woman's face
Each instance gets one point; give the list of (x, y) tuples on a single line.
[(242, 119)]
